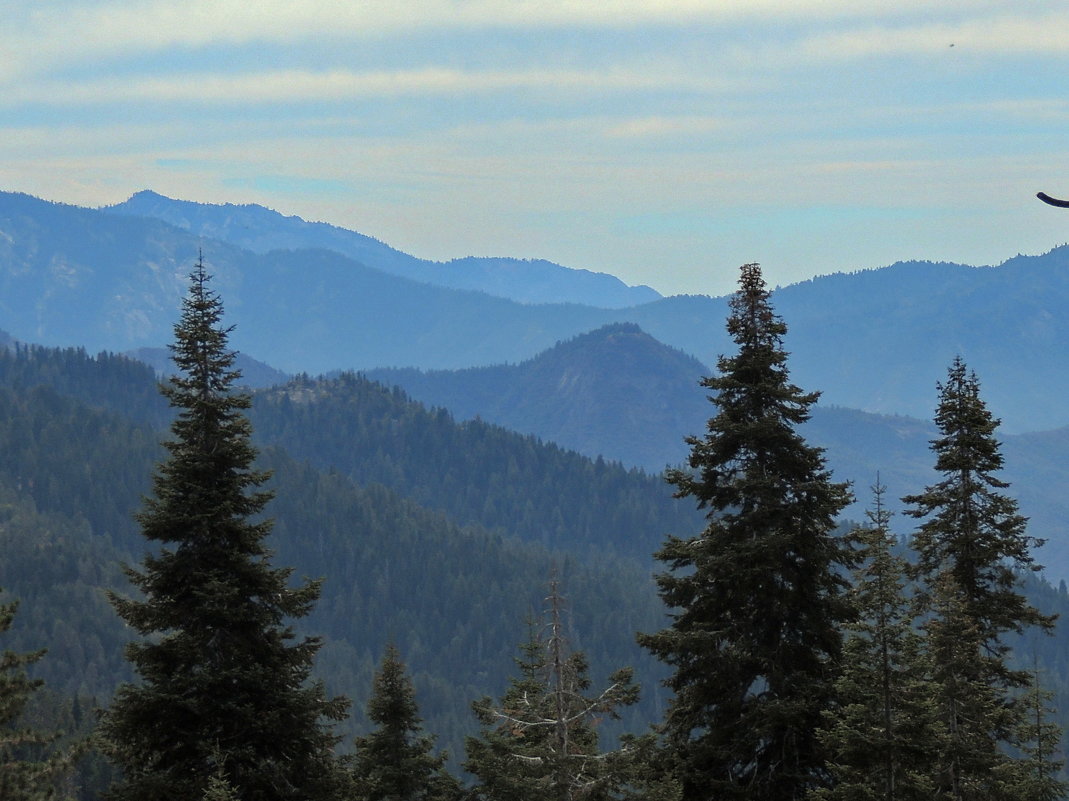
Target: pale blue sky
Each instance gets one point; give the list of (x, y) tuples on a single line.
[(663, 142)]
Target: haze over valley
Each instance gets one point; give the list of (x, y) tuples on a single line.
[(446, 436)]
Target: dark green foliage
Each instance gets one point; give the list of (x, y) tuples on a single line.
[(106, 381), (448, 595), (86, 464), (395, 762), (476, 473), (1041, 742), (59, 568), (29, 762), (970, 546), (219, 789), (971, 529), (70, 474), (883, 733), (758, 596), (973, 711), (223, 693), (540, 742)]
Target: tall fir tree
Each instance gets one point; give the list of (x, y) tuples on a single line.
[(971, 545), (884, 730), (225, 699), (971, 529), (758, 596), (396, 761), (29, 760), (540, 743)]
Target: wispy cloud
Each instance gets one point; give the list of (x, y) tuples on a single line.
[(150, 24), (1030, 34), (38, 37), (288, 86), (661, 126), (529, 126)]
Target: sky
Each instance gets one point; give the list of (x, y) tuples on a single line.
[(662, 141)]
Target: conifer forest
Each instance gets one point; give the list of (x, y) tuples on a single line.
[(322, 590)]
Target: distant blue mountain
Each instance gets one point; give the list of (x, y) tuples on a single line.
[(262, 230), (877, 340), (617, 392), (254, 374)]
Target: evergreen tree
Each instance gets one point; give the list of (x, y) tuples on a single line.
[(883, 732), (758, 596), (29, 764), (970, 546), (970, 528), (218, 788), (505, 758), (1041, 742), (540, 742), (968, 763), (225, 699), (395, 763)]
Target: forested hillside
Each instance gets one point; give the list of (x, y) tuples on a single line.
[(475, 472), (618, 392), (615, 392), (453, 597), (78, 438)]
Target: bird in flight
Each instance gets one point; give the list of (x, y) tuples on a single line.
[(1053, 201)]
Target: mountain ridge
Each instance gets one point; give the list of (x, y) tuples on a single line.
[(877, 340), (614, 392), (261, 230), (638, 414)]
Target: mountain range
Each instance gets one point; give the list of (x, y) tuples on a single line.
[(500, 442), (435, 534), (877, 340), (614, 392), (262, 230), (619, 393), (620, 384)]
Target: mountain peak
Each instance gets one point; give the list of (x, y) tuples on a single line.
[(146, 194), (260, 229), (615, 391)]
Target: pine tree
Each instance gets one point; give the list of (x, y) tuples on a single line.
[(29, 762), (883, 732), (225, 699), (970, 528), (395, 762), (540, 742), (758, 596), (970, 546), (505, 757), (968, 763), (218, 788), (1041, 742)]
